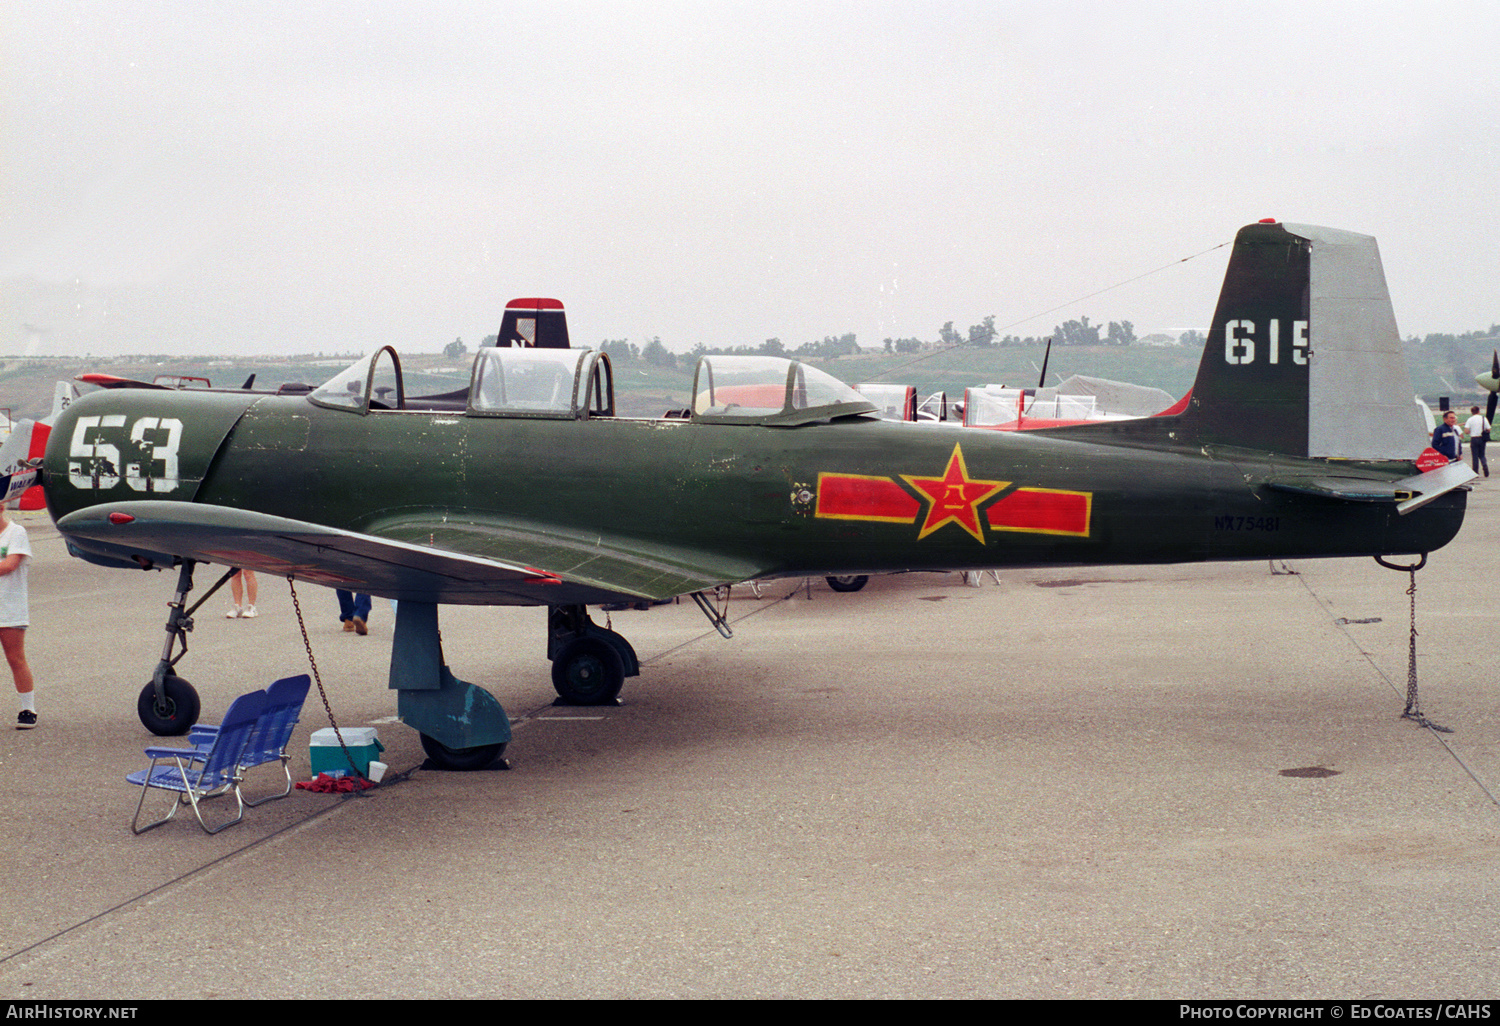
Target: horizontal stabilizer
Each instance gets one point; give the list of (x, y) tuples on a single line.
[(1350, 489), (1428, 486), (1408, 493)]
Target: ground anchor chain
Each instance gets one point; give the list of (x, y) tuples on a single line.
[(313, 663), (1413, 710)]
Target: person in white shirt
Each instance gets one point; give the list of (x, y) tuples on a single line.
[(1479, 435), (15, 562)]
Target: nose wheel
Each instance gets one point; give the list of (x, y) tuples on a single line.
[(174, 713), (172, 708)]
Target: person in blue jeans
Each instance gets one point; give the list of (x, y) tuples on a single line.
[(354, 611)]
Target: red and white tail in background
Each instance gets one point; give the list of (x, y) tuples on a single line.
[(35, 434)]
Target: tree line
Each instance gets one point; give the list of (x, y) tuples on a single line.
[(983, 334), (1070, 333)]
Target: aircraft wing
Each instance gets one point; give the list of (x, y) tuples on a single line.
[(621, 566), (462, 563)]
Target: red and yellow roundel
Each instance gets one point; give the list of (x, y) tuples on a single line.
[(953, 497)]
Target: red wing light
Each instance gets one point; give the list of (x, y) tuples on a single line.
[(121, 518)]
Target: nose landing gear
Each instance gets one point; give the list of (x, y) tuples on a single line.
[(168, 706)]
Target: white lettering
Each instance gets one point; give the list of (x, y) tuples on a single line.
[(138, 475), (95, 463), (1233, 341), (1239, 342), (91, 461), (1299, 343)]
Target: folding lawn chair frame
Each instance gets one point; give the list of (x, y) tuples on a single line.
[(272, 734), (197, 774)]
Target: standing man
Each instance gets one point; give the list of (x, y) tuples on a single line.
[(1479, 436), (15, 562), (354, 611), (1447, 439)]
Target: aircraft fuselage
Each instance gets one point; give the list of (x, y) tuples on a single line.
[(856, 495)]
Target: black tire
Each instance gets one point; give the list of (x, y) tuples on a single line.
[(847, 583), (461, 759), (177, 716), (588, 672)]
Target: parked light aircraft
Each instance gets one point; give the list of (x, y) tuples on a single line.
[(527, 489), (1491, 383)]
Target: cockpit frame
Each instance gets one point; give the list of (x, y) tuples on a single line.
[(549, 384)]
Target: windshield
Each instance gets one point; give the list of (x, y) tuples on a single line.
[(895, 402), (524, 380), (744, 389), (370, 383), (989, 406)]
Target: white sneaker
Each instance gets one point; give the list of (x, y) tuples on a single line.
[(249, 613), (233, 614)]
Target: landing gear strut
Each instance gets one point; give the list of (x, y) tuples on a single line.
[(462, 726), (589, 662), (168, 706)]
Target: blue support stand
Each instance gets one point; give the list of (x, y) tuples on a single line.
[(430, 699)]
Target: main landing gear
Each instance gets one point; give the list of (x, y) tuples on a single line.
[(849, 583), (462, 726), (589, 662)]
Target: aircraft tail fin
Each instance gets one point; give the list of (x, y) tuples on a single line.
[(1303, 356), (63, 394), (541, 323)]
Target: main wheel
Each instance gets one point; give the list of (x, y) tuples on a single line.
[(588, 672), (847, 583), (475, 758), (177, 715)]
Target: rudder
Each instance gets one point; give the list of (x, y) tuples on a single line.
[(1303, 357)]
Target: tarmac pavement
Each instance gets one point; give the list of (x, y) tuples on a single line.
[(1069, 784)]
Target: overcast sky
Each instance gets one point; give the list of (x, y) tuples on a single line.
[(269, 177)]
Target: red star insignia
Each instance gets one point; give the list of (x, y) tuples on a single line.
[(954, 497)]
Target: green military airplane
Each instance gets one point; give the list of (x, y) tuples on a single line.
[(526, 488)]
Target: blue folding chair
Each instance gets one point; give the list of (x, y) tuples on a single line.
[(273, 732), (197, 774)]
